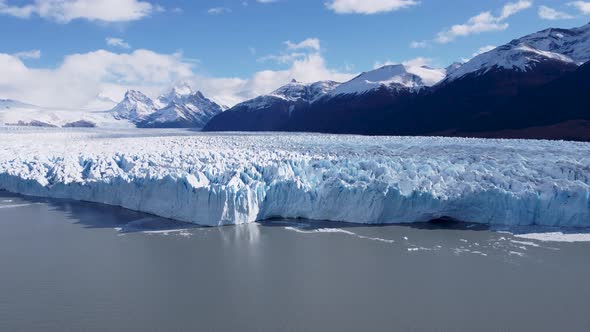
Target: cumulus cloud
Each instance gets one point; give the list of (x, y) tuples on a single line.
[(309, 43), (418, 44), (483, 22), (548, 13), (294, 51), (32, 54), (117, 42), (582, 6), (305, 64), (218, 10), (368, 7), (64, 11), (81, 78)]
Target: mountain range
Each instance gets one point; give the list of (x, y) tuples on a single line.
[(532, 87), (180, 108)]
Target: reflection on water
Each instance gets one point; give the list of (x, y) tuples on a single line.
[(81, 266)]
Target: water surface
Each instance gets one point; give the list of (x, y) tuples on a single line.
[(80, 266)]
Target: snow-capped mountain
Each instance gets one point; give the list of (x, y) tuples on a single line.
[(135, 107), (293, 92), (572, 43), (494, 94), (568, 47), (9, 103), (16, 113), (296, 91), (272, 112), (391, 77), (177, 95), (323, 106), (188, 110), (179, 108)]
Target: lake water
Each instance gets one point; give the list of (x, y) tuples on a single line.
[(80, 266)]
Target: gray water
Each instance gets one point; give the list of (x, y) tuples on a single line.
[(80, 266)]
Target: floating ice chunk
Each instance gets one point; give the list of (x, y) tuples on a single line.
[(16, 206), (556, 237)]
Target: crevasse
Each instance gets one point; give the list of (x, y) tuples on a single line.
[(215, 179)]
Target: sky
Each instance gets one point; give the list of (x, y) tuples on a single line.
[(87, 53)]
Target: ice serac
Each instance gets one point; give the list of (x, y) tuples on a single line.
[(232, 179)]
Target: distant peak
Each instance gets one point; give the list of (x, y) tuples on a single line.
[(182, 89), (134, 94), (294, 81)]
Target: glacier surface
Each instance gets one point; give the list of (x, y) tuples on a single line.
[(218, 179)]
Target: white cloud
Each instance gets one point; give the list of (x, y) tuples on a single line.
[(483, 22), (310, 68), (230, 91), (65, 11), (218, 10), (415, 62), (368, 7), (479, 51), (282, 58), (582, 6), (294, 51), (305, 64), (309, 43), (548, 13), (514, 7), (419, 44), (32, 54), (81, 78), (117, 42)]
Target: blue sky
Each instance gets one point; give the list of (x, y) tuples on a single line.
[(235, 49)]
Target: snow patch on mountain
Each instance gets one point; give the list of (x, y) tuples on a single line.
[(391, 77), (297, 91), (293, 92), (568, 46), (572, 43), (240, 178), (9, 103), (15, 113), (521, 58)]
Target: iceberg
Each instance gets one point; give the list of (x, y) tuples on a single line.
[(220, 179)]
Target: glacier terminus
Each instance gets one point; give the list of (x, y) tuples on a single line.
[(235, 178)]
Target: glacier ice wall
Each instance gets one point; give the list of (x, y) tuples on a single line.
[(217, 179)]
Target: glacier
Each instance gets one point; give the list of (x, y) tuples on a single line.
[(234, 178)]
